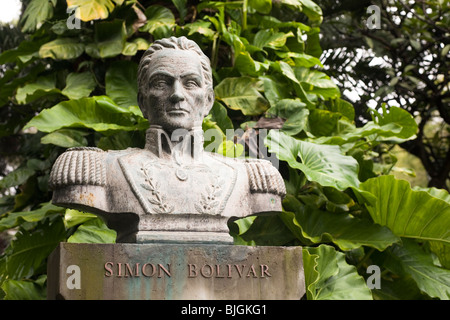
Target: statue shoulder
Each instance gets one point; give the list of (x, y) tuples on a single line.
[(264, 177), (79, 166)]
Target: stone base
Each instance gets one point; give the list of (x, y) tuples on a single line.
[(175, 272)]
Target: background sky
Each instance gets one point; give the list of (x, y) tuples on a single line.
[(9, 10)]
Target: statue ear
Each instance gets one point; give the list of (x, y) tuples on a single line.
[(141, 103), (209, 101)]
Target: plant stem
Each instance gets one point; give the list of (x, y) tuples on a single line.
[(365, 258), (244, 15)]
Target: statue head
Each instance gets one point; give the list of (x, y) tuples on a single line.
[(175, 87)]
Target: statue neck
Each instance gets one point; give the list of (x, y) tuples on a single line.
[(180, 143)]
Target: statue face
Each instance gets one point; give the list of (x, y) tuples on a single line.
[(176, 95)]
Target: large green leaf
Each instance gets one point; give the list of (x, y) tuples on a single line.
[(323, 122), (66, 138), (13, 219), (30, 248), (402, 118), (120, 83), (110, 39), (25, 289), (408, 213), (295, 113), (324, 164), (316, 82), (329, 277), (79, 85), (262, 6), (36, 13), (160, 21), (88, 10), (74, 217), (271, 39), (16, 177), (265, 229), (93, 231), (99, 113), (42, 87), (62, 48), (410, 259), (342, 229), (242, 94)]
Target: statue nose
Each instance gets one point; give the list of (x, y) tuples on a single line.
[(177, 94)]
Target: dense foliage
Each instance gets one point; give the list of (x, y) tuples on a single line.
[(65, 85), (411, 69)]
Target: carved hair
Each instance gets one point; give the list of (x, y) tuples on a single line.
[(181, 43)]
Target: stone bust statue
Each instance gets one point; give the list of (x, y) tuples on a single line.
[(172, 190)]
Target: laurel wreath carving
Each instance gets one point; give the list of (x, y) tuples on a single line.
[(158, 200), (209, 202)]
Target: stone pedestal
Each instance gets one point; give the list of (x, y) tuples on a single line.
[(175, 272)]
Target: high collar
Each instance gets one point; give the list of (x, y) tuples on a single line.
[(181, 144)]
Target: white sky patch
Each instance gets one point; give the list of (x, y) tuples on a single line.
[(9, 10)]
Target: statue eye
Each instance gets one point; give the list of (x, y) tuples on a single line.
[(190, 83), (159, 83)]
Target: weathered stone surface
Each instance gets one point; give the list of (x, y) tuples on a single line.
[(171, 185), (168, 271)]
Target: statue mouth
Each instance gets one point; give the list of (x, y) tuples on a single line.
[(178, 111)]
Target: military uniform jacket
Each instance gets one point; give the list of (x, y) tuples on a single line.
[(163, 180)]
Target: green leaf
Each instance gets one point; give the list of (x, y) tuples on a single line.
[(270, 39), (93, 231), (295, 112), (14, 219), (316, 82), (122, 140), (323, 122), (44, 86), (410, 259), (160, 21), (99, 113), (219, 115), (242, 94), (230, 149), (79, 85), (66, 138), (329, 277), (62, 49), (36, 13), (74, 217), (275, 89), (261, 6), (344, 230), (265, 229), (110, 39), (248, 66), (121, 83), (201, 27), (30, 248), (435, 192), (300, 59), (16, 177), (88, 10), (402, 118), (181, 6), (324, 164), (408, 213), (24, 289)]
